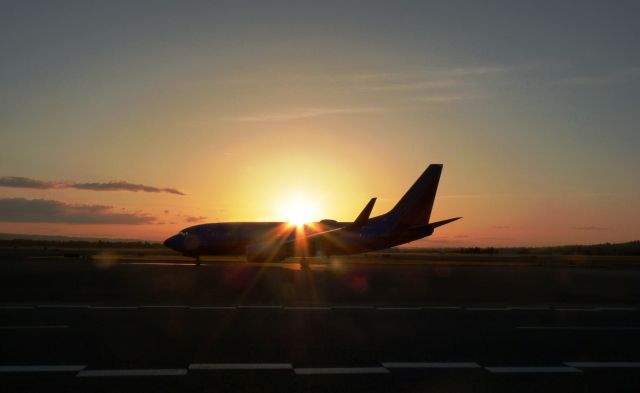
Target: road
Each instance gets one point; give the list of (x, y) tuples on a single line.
[(131, 326)]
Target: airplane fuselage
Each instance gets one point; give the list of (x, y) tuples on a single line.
[(275, 241), (234, 238)]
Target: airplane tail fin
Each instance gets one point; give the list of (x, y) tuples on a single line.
[(414, 208)]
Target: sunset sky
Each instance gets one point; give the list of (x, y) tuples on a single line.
[(135, 119)]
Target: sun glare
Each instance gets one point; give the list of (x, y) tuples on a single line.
[(299, 212)]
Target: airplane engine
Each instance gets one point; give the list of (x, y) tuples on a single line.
[(330, 223)]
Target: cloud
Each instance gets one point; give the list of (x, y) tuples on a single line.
[(590, 228), (477, 71), (411, 85), (437, 84), (194, 218), (122, 186), (615, 76), (50, 211), (448, 98), (587, 81), (427, 79), (302, 114), (25, 182)]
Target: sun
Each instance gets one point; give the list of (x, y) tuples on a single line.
[(299, 212)]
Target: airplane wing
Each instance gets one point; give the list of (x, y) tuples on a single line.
[(307, 245)]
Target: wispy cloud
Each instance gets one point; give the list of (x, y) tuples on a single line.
[(614, 76), (25, 182), (303, 114), (410, 85), (51, 211), (590, 228), (476, 71), (435, 85), (194, 218), (123, 186), (587, 81), (427, 79), (448, 98)]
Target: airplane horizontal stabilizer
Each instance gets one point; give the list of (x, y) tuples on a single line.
[(443, 222), (427, 229)]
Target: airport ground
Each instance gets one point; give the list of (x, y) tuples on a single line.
[(134, 321)]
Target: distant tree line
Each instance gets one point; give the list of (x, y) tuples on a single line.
[(620, 249), (614, 249), (30, 243)]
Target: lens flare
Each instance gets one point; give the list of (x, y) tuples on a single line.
[(299, 211)]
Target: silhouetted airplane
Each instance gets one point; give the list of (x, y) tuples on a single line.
[(275, 241)]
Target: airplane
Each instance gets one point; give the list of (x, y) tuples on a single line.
[(276, 241)]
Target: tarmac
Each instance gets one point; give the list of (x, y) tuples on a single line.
[(159, 325)]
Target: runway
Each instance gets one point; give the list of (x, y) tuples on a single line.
[(76, 326)]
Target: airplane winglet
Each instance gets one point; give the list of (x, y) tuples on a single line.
[(363, 217)]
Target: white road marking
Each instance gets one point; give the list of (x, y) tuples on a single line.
[(261, 306), (487, 308), (159, 263), (212, 307), (575, 309), (240, 366), (534, 369), (578, 327), (113, 307), (441, 307), (160, 306), (133, 372), (431, 365), (41, 368), (307, 308), (63, 306), (15, 327), (530, 308), (603, 364), (340, 370), (352, 307), (399, 308)]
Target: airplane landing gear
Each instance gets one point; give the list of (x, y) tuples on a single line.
[(198, 260)]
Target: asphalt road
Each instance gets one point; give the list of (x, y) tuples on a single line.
[(77, 326)]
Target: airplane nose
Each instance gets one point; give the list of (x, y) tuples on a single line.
[(174, 243)]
